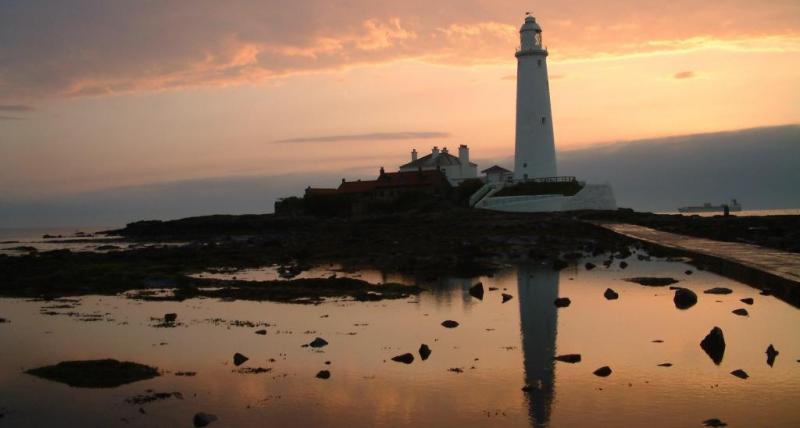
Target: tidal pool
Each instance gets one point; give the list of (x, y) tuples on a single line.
[(473, 377)]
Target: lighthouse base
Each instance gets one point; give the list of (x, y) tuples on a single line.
[(591, 197)]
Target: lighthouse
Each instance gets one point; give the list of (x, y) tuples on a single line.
[(534, 152)]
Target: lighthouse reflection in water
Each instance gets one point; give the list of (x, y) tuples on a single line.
[(537, 288)]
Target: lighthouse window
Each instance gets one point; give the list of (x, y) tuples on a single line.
[(539, 62), (525, 165), (544, 120)]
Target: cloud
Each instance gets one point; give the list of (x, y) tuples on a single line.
[(97, 47), (684, 75), (375, 136), (16, 108)]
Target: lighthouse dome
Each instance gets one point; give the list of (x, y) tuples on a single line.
[(530, 25)]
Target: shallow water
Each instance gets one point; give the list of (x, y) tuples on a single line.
[(500, 348)]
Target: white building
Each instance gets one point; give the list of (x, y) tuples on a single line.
[(535, 149), (456, 169), (536, 187)]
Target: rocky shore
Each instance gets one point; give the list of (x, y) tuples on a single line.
[(428, 245)]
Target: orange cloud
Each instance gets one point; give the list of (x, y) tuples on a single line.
[(158, 47)]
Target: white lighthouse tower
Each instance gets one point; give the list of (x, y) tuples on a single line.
[(535, 152)]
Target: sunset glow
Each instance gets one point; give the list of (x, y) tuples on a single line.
[(115, 95)]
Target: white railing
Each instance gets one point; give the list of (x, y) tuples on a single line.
[(479, 194)]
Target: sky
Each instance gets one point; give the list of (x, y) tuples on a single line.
[(97, 94)]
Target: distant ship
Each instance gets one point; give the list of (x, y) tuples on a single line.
[(708, 208)]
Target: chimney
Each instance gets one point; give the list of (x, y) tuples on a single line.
[(463, 154), (435, 151), (444, 150), (413, 155), (382, 171), (343, 181)]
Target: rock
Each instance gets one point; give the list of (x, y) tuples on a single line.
[(559, 264), (318, 343), (684, 298), (590, 266), (203, 419), (665, 365), (604, 371), (688, 272), (95, 373), (170, 318), (261, 332), (569, 358), (323, 374), (610, 294), (747, 300), (449, 324), (714, 345), (492, 288), (740, 374), (406, 358), (424, 352), (476, 291), (718, 290), (239, 359), (607, 263), (562, 302), (652, 281), (507, 297), (771, 354), (623, 265), (765, 292), (714, 423), (741, 312)]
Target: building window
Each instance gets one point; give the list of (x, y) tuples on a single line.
[(539, 62), (525, 165), (544, 120)]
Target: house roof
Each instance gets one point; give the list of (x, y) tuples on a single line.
[(356, 186), (386, 180), (442, 159), (411, 178), (494, 169), (318, 192)]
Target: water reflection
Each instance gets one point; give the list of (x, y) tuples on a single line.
[(537, 289)]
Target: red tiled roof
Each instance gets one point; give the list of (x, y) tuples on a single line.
[(411, 179), (356, 186), (318, 192)]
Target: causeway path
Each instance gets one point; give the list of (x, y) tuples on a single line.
[(764, 268)]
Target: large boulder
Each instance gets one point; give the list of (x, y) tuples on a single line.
[(771, 354), (652, 281), (449, 324), (507, 297), (424, 352), (604, 371), (742, 312), (476, 291), (323, 374), (684, 298), (406, 358), (718, 290), (239, 359), (714, 345), (562, 302), (741, 374), (610, 294), (569, 358), (318, 343)]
